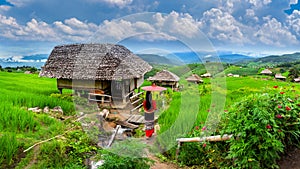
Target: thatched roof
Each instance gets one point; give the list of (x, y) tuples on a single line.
[(94, 62), (297, 79), (194, 78), (266, 71), (164, 75), (206, 75), (279, 76)]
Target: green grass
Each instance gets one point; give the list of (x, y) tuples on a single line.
[(187, 109), (20, 128)]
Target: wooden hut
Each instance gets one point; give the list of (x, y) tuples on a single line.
[(279, 76), (297, 80), (111, 70), (194, 78), (266, 72), (206, 75), (165, 78)]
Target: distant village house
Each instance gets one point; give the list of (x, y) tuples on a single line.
[(266, 72), (206, 75), (165, 78), (279, 76), (194, 78)]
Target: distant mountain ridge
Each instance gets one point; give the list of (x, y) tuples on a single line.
[(176, 59), (277, 59)]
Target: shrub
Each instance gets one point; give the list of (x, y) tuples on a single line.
[(264, 125)]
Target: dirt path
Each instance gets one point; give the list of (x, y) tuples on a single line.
[(291, 160), (34, 160), (162, 165)]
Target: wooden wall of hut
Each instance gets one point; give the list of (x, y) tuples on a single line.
[(83, 84)]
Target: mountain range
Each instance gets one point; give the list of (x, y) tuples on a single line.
[(38, 60)]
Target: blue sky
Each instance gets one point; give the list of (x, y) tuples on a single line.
[(242, 26)]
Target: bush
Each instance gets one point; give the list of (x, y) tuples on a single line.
[(127, 154), (264, 125)]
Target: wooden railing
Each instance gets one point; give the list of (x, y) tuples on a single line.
[(103, 98), (136, 101)]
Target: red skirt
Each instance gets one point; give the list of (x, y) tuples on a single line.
[(149, 128)]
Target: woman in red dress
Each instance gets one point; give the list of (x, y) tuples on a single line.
[(149, 107)]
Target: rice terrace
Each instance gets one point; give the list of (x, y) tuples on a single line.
[(133, 84), (64, 116)]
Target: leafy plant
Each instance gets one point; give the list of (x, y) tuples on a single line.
[(263, 125)]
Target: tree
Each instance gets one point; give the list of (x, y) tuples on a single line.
[(293, 73)]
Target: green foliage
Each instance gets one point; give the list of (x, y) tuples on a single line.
[(125, 155), (80, 147), (8, 148), (261, 124), (293, 73)]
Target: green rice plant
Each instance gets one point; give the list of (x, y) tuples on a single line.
[(15, 119), (8, 148)]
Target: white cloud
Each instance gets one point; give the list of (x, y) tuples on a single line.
[(171, 25), (293, 1), (273, 32), (119, 3), (4, 8), (71, 30), (222, 26), (293, 22), (259, 3), (19, 3), (178, 24)]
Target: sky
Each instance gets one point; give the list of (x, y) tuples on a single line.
[(253, 27)]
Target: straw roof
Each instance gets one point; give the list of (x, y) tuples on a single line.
[(279, 76), (297, 79), (164, 75), (94, 62), (266, 71), (206, 75), (194, 78)]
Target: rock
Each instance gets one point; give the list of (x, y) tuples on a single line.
[(95, 165), (35, 109), (57, 109), (104, 113), (46, 109), (80, 114)]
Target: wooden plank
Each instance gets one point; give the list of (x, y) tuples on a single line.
[(180, 141), (136, 95), (126, 124), (137, 101), (113, 136), (137, 107), (209, 138)]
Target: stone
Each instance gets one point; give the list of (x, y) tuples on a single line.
[(35, 109), (46, 109)]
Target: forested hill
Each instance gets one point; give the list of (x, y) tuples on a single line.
[(278, 59)]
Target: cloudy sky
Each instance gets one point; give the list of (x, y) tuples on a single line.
[(242, 26)]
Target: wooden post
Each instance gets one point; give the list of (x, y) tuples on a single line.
[(60, 90), (177, 150), (113, 136), (180, 141)]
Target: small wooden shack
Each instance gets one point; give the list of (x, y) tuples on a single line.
[(165, 78), (266, 72), (206, 75), (194, 78), (279, 76), (111, 70), (297, 80)]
